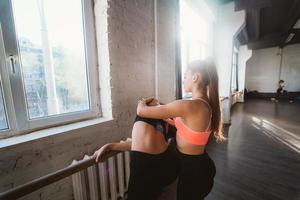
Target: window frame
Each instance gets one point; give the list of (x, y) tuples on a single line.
[(234, 71), (17, 111), (205, 43)]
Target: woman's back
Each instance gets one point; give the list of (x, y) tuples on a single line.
[(193, 130), (146, 138)]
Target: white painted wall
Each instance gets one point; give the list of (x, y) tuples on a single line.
[(244, 54), (262, 72), (291, 67), (165, 50), (227, 24)]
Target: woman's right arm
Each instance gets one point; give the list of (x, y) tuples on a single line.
[(177, 108), (155, 102), (112, 148)]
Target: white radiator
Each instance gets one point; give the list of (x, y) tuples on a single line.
[(103, 181)]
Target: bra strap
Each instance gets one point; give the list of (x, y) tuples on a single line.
[(209, 109)]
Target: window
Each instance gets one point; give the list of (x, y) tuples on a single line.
[(3, 120), (196, 31), (50, 62), (234, 72)]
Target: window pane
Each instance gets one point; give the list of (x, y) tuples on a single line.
[(195, 34), (3, 120), (234, 73), (53, 62)]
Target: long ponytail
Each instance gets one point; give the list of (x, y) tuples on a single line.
[(214, 100), (211, 80)]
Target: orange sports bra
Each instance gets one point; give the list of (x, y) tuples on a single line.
[(193, 137)]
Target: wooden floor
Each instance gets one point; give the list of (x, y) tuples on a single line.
[(261, 158)]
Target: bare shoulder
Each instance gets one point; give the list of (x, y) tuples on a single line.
[(184, 103), (182, 106), (199, 105), (188, 105)]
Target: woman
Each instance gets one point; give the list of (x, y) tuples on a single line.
[(153, 164), (195, 120)]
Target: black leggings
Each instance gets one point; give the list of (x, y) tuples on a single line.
[(150, 173), (196, 176)]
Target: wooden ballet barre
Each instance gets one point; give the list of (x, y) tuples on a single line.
[(38, 183), (223, 98)]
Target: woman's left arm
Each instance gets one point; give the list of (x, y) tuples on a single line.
[(176, 108)]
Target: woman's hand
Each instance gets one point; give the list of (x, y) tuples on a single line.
[(170, 121), (140, 106), (145, 102), (149, 100), (112, 149), (154, 102), (99, 154)]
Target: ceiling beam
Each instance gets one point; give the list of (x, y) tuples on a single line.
[(251, 4), (295, 30), (256, 16), (253, 20), (295, 39), (294, 15), (271, 42), (245, 34)]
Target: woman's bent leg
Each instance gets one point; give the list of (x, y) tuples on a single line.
[(150, 173), (196, 176), (143, 181), (153, 165)]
